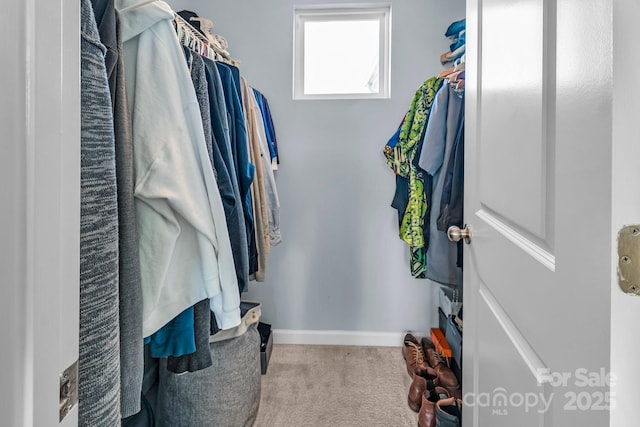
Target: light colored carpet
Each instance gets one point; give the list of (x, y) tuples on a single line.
[(335, 386)]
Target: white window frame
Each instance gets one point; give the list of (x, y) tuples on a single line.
[(364, 11)]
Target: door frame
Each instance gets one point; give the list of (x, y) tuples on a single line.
[(40, 218), (625, 197)]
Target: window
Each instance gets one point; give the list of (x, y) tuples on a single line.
[(341, 53)]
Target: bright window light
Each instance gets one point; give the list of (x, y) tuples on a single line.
[(342, 53)]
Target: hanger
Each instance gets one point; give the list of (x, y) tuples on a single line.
[(445, 73), (454, 77), (452, 73), (194, 40)]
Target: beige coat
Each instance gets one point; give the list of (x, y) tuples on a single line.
[(258, 193)]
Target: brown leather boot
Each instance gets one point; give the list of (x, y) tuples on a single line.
[(446, 377), (449, 412), (427, 415), (414, 357), (418, 387), (416, 390)]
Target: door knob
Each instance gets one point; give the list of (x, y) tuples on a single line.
[(455, 234)]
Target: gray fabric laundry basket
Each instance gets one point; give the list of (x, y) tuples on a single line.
[(226, 394)]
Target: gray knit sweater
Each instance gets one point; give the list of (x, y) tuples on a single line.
[(99, 362)]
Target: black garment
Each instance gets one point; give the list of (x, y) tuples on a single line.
[(452, 201), (453, 190), (201, 359), (401, 197), (187, 15), (105, 15)]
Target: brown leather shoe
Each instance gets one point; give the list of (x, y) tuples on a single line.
[(414, 357), (446, 377), (426, 343), (427, 415), (431, 354)]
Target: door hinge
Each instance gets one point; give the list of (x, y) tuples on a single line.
[(68, 389), (629, 259)]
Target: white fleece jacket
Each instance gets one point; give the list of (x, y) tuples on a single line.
[(185, 252)]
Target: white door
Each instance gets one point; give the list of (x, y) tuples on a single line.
[(39, 207), (545, 322)]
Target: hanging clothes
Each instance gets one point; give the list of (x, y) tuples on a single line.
[(428, 199), (105, 16), (451, 208), (99, 346), (410, 135), (245, 170), (200, 358), (185, 252), (185, 339), (452, 202), (130, 289), (165, 182), (175, 338), (269, 128), (261, 216), (222, 141), (271, 189), (439, 138), (401, 196), (457, 33), (400, 159)]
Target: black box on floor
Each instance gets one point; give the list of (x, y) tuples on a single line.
[(442, 320), (266, 345), (454, 338)]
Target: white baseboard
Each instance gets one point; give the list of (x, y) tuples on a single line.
[(360, 338)]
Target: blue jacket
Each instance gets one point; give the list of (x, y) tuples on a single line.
[(268, 124), (240, 149), (225, 160)]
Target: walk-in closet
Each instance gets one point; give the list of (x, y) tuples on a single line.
[(316, 213), (239, 221)]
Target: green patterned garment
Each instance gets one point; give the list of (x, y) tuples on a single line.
[(400, 160), (411, 230), (418, 263)]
